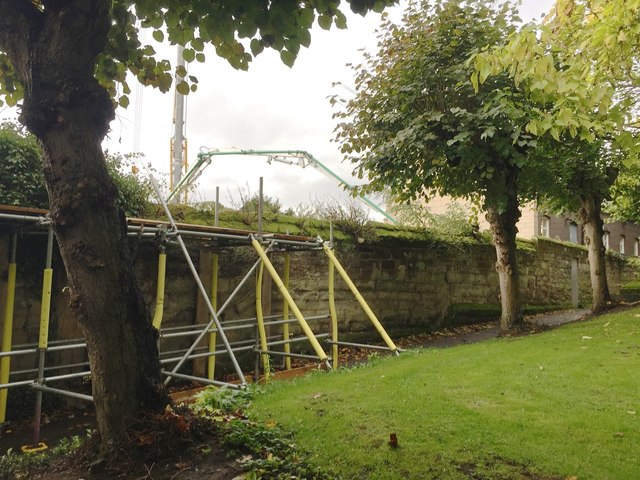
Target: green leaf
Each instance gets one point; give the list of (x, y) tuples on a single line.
[(340, 20), (325, 21), (306, 17), (182, 88), (123, 101), (158, 36), (474, 81), (304, 36), (197, 44), (256, 47), (189, 55), (288, 58)]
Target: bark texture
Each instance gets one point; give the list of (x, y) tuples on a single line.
[(503, 229), (591, 218), (54, 50)]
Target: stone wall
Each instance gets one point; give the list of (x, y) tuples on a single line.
[(408, 284)]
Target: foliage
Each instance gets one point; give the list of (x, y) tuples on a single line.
[(625, 196), (577, 169), (22, 182), (456, 221), (248, 205), (582, 64), (133, 189), (416, 124), (214, 400), (272, 453), (21, 179), (485, 416), (238, 31), (579, 64), (15, 466), (349, 216)]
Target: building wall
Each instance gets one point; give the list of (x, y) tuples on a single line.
[(629, 232)]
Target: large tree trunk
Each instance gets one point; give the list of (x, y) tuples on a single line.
[(54, 52), (503, 229), (590, 216)]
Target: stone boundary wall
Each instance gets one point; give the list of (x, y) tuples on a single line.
[(408, 284)]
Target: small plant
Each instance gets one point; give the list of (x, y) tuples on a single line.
[(349, 217), (18, 466), (248, 204), (271, 453), (215, 400)]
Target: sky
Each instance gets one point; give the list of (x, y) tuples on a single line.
[(271, 106)]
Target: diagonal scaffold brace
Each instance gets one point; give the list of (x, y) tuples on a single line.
[(205, 297), (322, 356)]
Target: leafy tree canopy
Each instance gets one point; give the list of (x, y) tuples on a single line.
[(418, 126), (239, 31), (582, 64)]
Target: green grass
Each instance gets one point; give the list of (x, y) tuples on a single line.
[(559, 404)]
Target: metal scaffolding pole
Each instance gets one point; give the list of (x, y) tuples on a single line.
[(294, 308), (5, 362), (372, 317), (43, 340), (203, 293)]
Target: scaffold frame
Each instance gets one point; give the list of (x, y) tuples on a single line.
[(165, 233)]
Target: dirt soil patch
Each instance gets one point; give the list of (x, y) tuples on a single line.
[(176, 444)]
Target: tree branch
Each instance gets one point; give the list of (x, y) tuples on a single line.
[(18, 19)]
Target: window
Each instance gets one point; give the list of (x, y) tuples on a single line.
[(636, 247), (605, 239), (573, 232), (544, 226), (621, 249)]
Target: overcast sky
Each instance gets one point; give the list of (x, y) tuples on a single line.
[(269, 107)]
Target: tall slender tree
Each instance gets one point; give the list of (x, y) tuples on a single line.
[(417, 126), (582, 64)]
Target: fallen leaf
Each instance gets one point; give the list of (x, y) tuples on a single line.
[(586, 337), (618, 434), (631, 412), (146, 439)]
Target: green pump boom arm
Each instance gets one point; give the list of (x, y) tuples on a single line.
[(303, 159)]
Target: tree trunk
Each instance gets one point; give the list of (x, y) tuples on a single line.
[(590, 210), (503, 228), (54, 53)]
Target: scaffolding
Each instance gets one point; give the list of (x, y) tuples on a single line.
[(205, 341)]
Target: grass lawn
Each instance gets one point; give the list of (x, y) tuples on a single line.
[(561, 404)]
